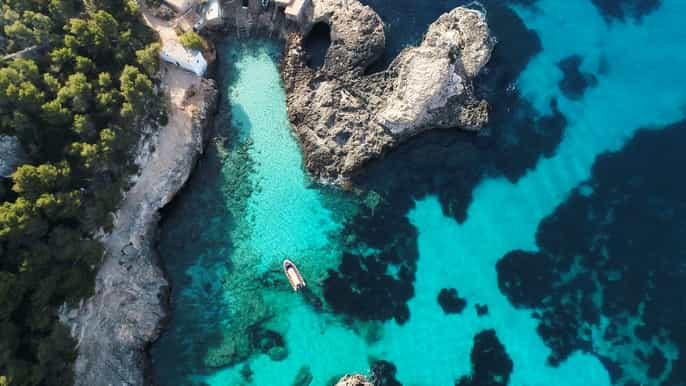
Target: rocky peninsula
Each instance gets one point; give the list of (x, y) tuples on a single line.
[(344, 117)]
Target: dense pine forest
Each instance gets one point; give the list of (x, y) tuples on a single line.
[(78, 96)]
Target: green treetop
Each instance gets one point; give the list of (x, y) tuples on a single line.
[(192, 41), (148, 58), (68, 105), (77, 92), (31, 181)]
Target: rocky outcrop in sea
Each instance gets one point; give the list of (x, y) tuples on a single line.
[(354, 380), (344, 117)]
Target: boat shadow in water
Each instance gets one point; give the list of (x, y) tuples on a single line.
[(312, 299)]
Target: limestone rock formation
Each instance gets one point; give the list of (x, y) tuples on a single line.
[(343, 117), (433, 87), (354, 380), (114, 327), (357, 35)]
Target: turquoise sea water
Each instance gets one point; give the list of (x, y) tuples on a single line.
[(249, 205)]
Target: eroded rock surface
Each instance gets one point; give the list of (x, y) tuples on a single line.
[(114, 327), (343, 117), (354, 380)]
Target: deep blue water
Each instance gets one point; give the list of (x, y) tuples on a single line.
[(546, 250)]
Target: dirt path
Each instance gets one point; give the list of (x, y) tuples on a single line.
[(164, 28)]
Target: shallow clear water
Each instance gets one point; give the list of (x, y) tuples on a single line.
[(249, 205)]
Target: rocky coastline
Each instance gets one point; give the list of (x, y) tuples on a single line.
[(115, 327), (344, 117)]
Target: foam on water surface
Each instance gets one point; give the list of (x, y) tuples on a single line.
[(286, 217)]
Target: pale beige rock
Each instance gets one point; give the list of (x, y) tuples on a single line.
[(465, 30), (425, 84), (344, 118), (453, 51), (354, 380)]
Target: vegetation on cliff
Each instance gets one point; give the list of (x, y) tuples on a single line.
[(77, 99), (192, 40)]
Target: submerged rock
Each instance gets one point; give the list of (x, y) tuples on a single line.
[(343, 117), (277, 353), (304, 377), (491, 366), (225, 352), (481, 309), (450, 301), (575, 82), (247, 372), (621, 10), (383, 373), (607, 266)]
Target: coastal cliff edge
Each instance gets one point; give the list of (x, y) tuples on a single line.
[(114, 327)]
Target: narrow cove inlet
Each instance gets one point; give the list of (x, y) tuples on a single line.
[(248, 207), (415, 278), (235, 318)]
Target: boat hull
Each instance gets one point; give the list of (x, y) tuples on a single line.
[(293, 275)]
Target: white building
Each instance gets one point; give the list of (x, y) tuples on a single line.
[(191, 60), (210, 16)]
